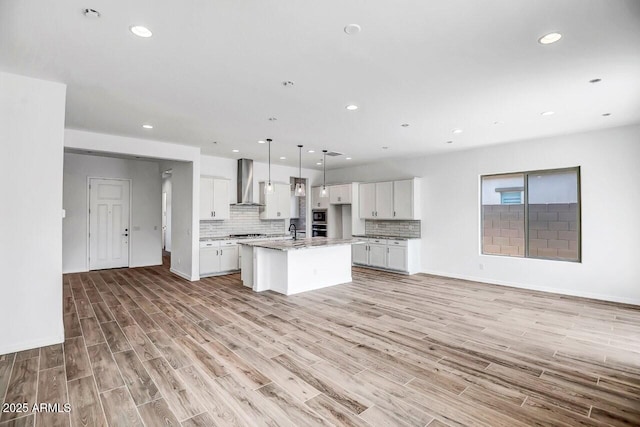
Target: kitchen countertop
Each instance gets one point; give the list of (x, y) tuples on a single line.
[(287, 245), (371, 236), (267, 236)]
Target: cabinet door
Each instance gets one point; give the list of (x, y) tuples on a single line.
[(229, 258), (335, 194), (346, 194), (206, 198), (403, 199), (221, 199), (384, 200), (359, 253), (397, 258), (367, 200), (284, 201), (209, 260), (315, 198), (377, 255)]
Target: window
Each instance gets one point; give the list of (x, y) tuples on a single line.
[(533, 214)]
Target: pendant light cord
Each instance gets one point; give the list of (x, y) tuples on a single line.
[(324, 169), (269, 141)]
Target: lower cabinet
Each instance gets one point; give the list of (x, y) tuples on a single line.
[(388, 254), (218, 257)]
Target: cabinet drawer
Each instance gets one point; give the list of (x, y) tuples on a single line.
[(378, 241), (209, 244), (397, 242)]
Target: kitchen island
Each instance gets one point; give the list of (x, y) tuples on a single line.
[(293, 266)]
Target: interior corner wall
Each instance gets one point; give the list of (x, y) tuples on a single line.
[(145, 242), (182, 227), (166, 189), (610, 204), (31, 146)]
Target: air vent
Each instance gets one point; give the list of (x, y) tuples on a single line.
[(334, 153)]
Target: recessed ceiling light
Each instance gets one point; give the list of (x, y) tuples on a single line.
[(595, 80), (147, 126), (548, 113), (283, 158), (449, 142), (352, 29), (351, 107), (348, 158), (91, 13), (606, 114), (405, 125), (550, 38), (457, 131), (261, 142), (236, 151), (141, 31), (311, 151), (272, 119), (319, 163)]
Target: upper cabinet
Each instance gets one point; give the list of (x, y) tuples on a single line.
[(340, 194), (276, 205), (318, 202), (390, 200), (214, 198)]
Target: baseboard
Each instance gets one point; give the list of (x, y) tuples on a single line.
[(600, 297), (193, 278), (74, 271), (43, 342)]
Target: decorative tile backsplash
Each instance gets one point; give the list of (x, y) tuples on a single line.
[(392, 228), (243, 220)]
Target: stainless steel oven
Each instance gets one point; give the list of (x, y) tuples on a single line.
[(319, 216), (319, 230)]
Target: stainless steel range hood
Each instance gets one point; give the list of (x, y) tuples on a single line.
[(245, 183)]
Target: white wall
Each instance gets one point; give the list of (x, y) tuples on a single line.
[(187, 160), (610, 207), (145, 228), (31, 147), (183, 261)]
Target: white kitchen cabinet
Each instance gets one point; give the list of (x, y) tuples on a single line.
[(276, 205), (214, 198), (229, 257), (359, 253), (388, 254), (318, 202), (340, 194), (384, 200), (367, 198), (390, 200), (406, 199), (397, 257), (377, 255), (218, 257)]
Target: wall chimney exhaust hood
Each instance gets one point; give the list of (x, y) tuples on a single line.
[(245, 183)]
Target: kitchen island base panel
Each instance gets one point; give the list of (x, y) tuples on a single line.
[(293, 272)]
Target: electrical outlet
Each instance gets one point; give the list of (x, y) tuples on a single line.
[(179, 261), (481, 266)]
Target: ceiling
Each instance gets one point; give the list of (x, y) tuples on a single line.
[(213, 71)]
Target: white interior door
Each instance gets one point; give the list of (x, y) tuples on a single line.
[(108, 223)]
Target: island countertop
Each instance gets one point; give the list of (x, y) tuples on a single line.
[(287, 245)]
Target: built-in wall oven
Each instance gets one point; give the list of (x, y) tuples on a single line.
[(319, 224)]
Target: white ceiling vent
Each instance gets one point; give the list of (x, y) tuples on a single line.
[(334, 153)]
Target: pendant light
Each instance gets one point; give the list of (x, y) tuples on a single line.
[(268, 189), (324, 192), (299, 191)]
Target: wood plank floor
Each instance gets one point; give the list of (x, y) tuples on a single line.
[(144, 347)]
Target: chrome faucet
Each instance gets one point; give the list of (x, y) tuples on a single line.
[(295, 230)]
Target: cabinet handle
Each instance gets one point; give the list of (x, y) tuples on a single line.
[(394, 213), (216, 252), (220, 252), (373, 213), (318, 204), (387, 250), (214, 213), (339, 199), (211, 214)]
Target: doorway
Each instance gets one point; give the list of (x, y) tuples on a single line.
[(109, 202)]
